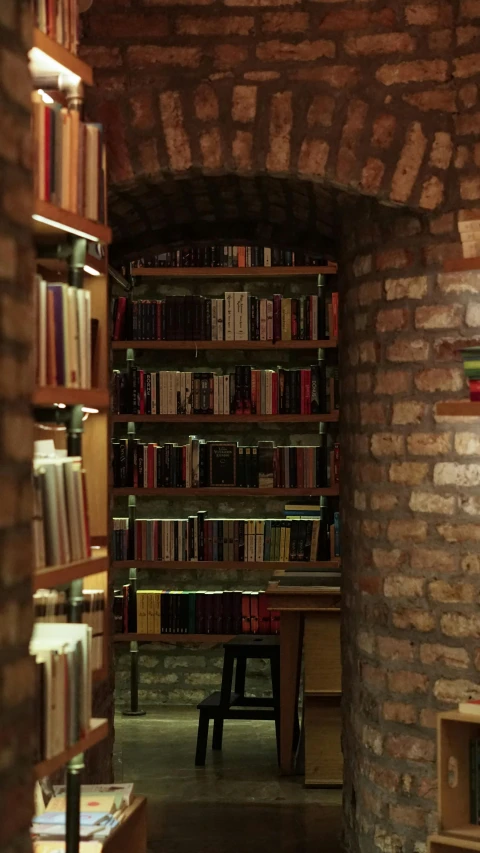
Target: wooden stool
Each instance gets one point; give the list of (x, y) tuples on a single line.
[(228, 705)]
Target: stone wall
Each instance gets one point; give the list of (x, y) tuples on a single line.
[(16, 385), (410, 505)]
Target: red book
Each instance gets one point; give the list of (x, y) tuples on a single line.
[(304, 396), (118, 328), (150, 465), (264, 625), (335, 314), (246, 614), (141, 394), (254, 612), (275, 393), (241, 256)]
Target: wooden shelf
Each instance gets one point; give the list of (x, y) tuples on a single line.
[(439, 843), (55, 575), (230, 492), (48, 58), (227, 419), (459, 408), (92, 398), (48, 220), (174, 638), (220, 566), (94, 266), (469, 832), (98, 732), (226, 345), (461, 264), (131, 833), (233, 272)]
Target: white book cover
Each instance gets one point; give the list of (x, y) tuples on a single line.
[(73, 475), (269, 319), (216, 395), (263, 319), (240, 307), (188, 393), (220, 319), (214, 319), (267, 256), (229, 317)]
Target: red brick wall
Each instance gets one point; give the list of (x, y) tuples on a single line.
[(410, 509), (16, 384)]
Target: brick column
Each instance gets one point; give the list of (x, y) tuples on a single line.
[(16, 383), (410, 505)]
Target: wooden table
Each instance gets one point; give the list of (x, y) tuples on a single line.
[(312, 613)]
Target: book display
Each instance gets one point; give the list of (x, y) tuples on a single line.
[(70, 466), (154, 390)]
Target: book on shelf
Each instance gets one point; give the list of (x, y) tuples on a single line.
[(121, 791), (237, 316), (201, 539), (230, 256), (188, 612), (63, 685), (69, 160), (244, 391), (63, 335), (207, 464), (60, 523), (58, 19), (51, 605)]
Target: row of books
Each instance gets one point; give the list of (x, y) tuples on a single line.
[(69, 160), (102, 808), (60, 516), (204, 464), (246, 391), (238, 316), (174, 612), (63, 335), (63, 685), (58, 19), (471, 366), (199, 539), (230, 256), (51, 605)]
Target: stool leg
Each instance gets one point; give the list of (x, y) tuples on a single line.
[(240, 675), (275, 673), (217, 733), (227, 678), (202, 739)]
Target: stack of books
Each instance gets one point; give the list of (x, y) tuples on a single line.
[(51, 605), (238, 316), (246, 391), (63, 335), (102, 809), (60, 521), (58, 19), (63, 656), (471, 366), (231, 256), (69, 163), (200, 539), (186, 612), (207, 464)]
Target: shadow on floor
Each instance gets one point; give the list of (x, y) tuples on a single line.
[(237, 802)]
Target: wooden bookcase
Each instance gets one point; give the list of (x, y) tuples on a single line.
[(61, 235), (186, 350)]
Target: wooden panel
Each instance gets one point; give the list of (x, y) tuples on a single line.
[(454, 734), (55, 575), (323, 754), (225, 345), (174, 638), (323, 668), (54, 219), (444, 844), (233, 272), (48, 55), (225, 491), (98, 731), (227, 419), (220, 566), (98, 288), (131, 835), (94, 398), (95, 452)]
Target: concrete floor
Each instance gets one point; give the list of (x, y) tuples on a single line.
[(236, 804)]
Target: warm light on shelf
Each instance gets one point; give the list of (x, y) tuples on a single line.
[(89, 411), (62, 227), (47, 99), (41, 65), (90, 270)]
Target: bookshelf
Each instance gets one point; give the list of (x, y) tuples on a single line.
[(75, 419), (195, 282)]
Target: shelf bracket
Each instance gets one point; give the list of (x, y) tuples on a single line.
[(74, 771), (134, 710)]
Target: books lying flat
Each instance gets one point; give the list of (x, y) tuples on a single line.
[(124, 791), (41, 846)]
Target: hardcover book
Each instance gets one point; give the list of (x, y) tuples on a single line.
[(223, 464)]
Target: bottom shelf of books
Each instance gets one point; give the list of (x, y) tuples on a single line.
[(112, 820)]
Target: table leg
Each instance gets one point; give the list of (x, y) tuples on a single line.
[(291, 632)]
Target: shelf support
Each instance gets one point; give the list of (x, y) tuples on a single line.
[(74, 771), (134, 710), (76, 261)]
